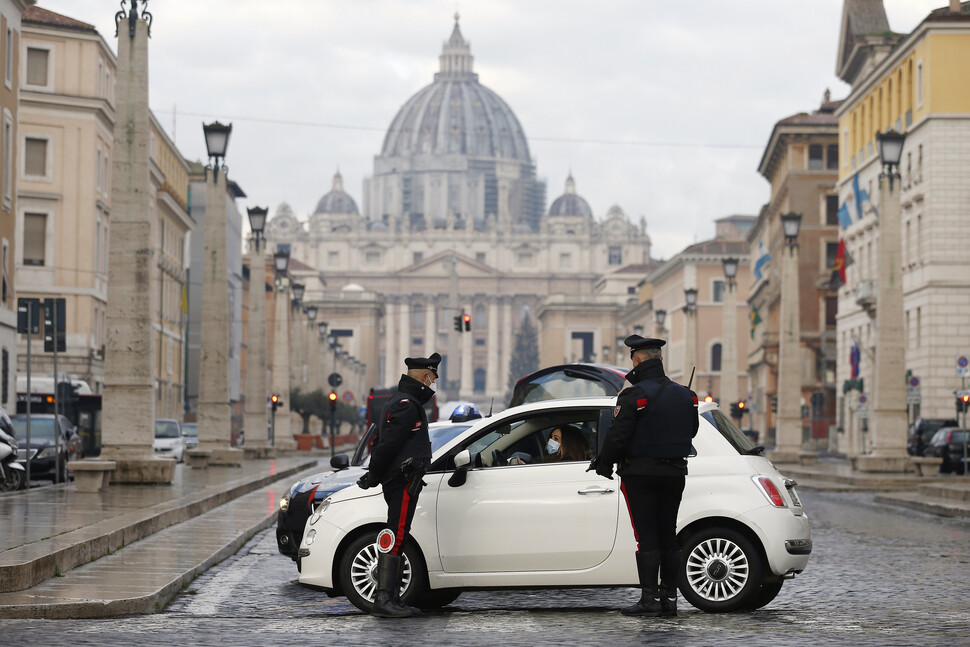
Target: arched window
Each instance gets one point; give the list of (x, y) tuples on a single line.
[(716, 357), (479, 317), (479, 380)]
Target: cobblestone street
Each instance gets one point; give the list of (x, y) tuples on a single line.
[(878, 576)]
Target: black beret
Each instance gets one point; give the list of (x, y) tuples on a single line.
[(636, 342), (429, 363)]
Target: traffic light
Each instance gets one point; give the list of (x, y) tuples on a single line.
[(66, 394), (275, 401), (737, 409), (458, 324), (467, 318), (333, 400), (963, 402)]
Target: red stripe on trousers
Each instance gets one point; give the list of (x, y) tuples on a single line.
[(399, 537), (630, 512)]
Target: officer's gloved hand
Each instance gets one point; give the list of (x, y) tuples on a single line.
[(365, 481), (601, 469)]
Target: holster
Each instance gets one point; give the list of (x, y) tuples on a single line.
[(414, 471)]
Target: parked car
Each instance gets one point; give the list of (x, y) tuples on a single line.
[(190, 432), (168, 439), (306, 494), (568, 381), (947, 443), (482, 523), (42, 451), (922, 431)]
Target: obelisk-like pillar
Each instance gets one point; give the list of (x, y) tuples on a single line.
[(282, 436), (257, 433), (788, 432), (128, 412)]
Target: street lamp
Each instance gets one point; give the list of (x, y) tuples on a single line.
[(322, 327), (216, 143), (281, 260), (638, 330), (257, 223), (890, 151), (311, 313), (790, 224), (661, 316), (690, 299), (731, 270), (298, 290)]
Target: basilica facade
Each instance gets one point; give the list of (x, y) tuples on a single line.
[(453, 221)]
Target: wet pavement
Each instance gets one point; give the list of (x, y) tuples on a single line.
[(879, 575)]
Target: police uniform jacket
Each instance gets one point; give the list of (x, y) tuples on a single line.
[(653, 423), (403, 432)]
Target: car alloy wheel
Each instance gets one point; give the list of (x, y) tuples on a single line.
[(363, 572), (358, 571), (722, 570)]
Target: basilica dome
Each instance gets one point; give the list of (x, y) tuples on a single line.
[(570, 203), (456, 115), (337, 201)]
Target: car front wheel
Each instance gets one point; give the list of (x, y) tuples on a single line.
[(722, 571), (358, 572)]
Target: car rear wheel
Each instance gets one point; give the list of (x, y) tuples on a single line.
[(768, 592), (721, 571), (358, 572), (437, 598)]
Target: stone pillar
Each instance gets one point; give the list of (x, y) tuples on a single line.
[(283, 437), (404, 328), (493, 385), (788, 429), (391, 359), (467, 388), (257, 432), (690, 345), (128, 414), (506, 363), (215, 412), (430, 327), (888, 424), (729, 349)]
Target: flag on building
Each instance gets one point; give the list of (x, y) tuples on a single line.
[(763, 259), (845, 218), (854, 357), (755, 319), (861, 196), (842, 259)]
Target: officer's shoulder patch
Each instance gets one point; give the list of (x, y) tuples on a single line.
[(616, 411)]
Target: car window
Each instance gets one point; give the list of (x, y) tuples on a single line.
[(522, 440), (439, 435), (938, 437), (959, 436), (561, 384), (190, 429), (166, 429), (729, 430), (40, 428)]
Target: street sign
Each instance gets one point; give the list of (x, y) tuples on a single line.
[(863, 411), (348, 396), (28, 310), (335, 380), (914, 382), (55, 324), (963, 366), (863, 399)]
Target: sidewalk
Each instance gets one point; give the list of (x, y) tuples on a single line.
[(944, 494), (131, 548)]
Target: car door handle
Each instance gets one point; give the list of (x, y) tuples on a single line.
[(596, 490)]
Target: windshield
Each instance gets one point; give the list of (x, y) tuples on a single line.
[(40, 428), (440, 434), (729, 430), (166, 429), (959, 436), (190, 429)]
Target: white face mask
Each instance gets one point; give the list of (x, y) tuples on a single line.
[(552, 446)]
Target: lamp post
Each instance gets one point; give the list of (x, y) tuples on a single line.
[(729, 333), (256, 391), (888, 425), (214, 410), (281, 350), (690, 330), (788, 428)]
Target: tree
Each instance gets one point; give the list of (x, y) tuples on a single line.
[(525, 357), (316, 403)]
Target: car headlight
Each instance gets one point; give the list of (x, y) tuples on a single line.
[(47, 452), (284, 504), (315, 517), (310, 536)]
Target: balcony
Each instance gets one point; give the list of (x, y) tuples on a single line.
[(865, 296)]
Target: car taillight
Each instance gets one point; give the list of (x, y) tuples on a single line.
[(767, 487)]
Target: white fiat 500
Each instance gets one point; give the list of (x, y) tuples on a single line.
[(495, 514)]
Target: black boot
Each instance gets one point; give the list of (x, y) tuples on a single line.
[(648, 605), (386, 599), (669, 574)]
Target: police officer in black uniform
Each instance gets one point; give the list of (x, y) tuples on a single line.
[(398, 460), (650, 438)]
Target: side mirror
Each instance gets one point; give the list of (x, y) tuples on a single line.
[(462, 460), (340, 462)]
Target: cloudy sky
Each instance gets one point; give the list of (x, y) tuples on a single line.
[(660, 106)]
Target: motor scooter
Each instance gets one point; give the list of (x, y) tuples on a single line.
[(12, 474)]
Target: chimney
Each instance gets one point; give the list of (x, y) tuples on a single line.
[(954, 6)]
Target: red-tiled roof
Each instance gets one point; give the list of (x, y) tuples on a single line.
[(38, 16)]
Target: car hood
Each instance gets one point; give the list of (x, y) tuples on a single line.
[(326, 483)]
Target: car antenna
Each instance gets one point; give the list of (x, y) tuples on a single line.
[(490, 405), (691, 380)]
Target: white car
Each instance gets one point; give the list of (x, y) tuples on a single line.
[(482, 523), (169, 440)]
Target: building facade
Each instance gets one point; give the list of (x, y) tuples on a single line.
[(800, 164), (10, 35), (917, 88), (454, 222)]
